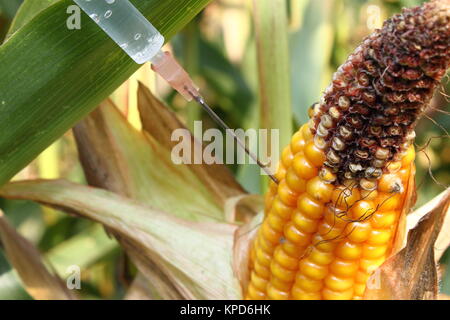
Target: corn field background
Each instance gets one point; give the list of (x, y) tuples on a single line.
[(220, 49)]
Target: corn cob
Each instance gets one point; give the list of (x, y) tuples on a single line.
[(332, 219)]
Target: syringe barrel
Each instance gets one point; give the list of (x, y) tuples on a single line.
[(126, 26)]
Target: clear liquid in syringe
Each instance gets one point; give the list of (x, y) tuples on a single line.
[(126, 26)]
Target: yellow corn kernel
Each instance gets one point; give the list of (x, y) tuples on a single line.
[(310, 207), (304, 223), (275, 222), (281, 209), (269, 233), (303, 168), (358, 231), (338, 284), (363, 210), (322, 244), (314, 155), (292, 249), (329, 232), (404, 175), (409, 157), (254, 293), (329, 294), (280, 284), (281, 172), (282, 273), (263, 257), (306, 131), (264, 244), (294, 182), (359, 289), (394, 167), (296, 236), (369, 194), (389, 201), (287, 157), (268, 201), (373, 252), (327, 175), (320, 257), (284, 259), (313, 270), (297, 142), (345, 197), (319, 190), (259, 282), (379, 236), (335, 217), (308, 284), (286, 195), (370, 265), (273, 187), (348, 250), (383, 219), (361, 277), (390, 183), (275, 294), (300, 294), (344, 268), (262, 270)]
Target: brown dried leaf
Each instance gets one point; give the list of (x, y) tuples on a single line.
[(243, 238), (410, 200), (243, 208), (117, 157), (143, 289), (160, 123), (411, 274), (154, 285), (39, 282)]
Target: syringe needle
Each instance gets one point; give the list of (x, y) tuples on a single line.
[(166, 66), (227, 129)]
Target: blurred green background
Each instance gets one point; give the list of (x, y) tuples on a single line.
[(219, 49)]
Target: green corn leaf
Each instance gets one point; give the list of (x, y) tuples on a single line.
[(27, 11), (9, 7)]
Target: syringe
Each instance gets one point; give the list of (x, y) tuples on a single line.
[(143, 42)]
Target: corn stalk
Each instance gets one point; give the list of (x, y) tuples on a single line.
[(271, 27)]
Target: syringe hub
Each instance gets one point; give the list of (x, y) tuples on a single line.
[(167, 67)]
